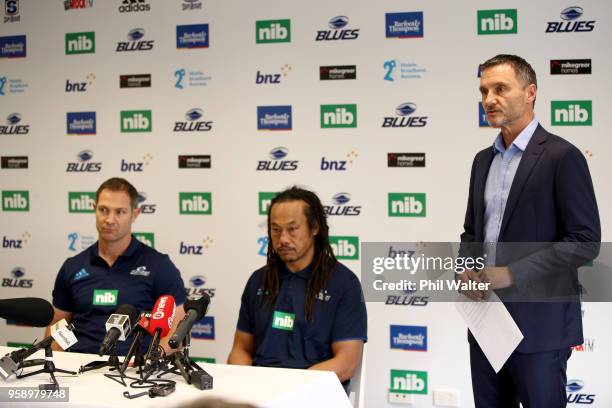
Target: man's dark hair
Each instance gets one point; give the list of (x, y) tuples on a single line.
[(522, 69), (119, 184), (324, 259)]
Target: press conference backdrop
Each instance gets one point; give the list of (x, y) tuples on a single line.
[(209, 107)]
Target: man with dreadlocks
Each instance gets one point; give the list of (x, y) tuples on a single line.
[(303, 309)]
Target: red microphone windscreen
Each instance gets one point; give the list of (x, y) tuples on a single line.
[(162, 315)]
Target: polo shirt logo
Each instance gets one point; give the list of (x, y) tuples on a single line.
[(323, 296), (140, 271), (82, 274), (283, 321), (105, 297)]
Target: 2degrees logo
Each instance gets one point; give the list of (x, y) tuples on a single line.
[(135, 42), (145, 208), (340, 206), (197, 287), (192, 122), (84, 163), (337, 31), (13, 126), (403, 117), (16, 280), (570, 23), (78, 242), (574, 396), (277, 163)]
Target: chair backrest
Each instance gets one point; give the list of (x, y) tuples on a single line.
[(356, 385)]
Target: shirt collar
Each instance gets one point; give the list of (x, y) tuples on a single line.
[(521, 140), (129, 252), (304, 273)]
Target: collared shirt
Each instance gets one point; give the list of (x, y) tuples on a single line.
[(282, 335), (499, 180), (91, 290)]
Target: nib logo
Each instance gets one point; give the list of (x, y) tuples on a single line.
[(16, 201), (81, 202), (345, 247), (571, 113), (408, 382), (497, 21), (339, 116), (407, 205), (283, 321), (272, 31), (136, 121), (81, 43), (195, 203), (147, 238), (265, 199), (105, 297)]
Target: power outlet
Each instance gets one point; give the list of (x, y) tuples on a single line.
[(399, 398), (446, 398)]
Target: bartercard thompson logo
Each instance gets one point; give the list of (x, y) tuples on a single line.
[(14, 126), (11, 11), (195, 203), (412, 338), (80, 86), (77, 4), (135, 42), (339, 116), (404, 25), (135, 81), (193, 122), (406, 382), (482, 116), (340, 206), (497, 21), (17, 280), (264, 201), (345, 247), (571, 113), (81, 201), (405, 159), (11, 85), (13, 46), (396, 69), (274, 117), (574, 394), (147, 238), (194, 161), (134, 6), (192, 36), (272, 31), (570, 67), (136, 121), (404, 117), (84, 163), (186, 78), (407, 205), (272, 78), (204, 329), (14, 162), (197, 287), (571, 22), (13, 200), (338, 165), (81, 123), (337, 30), (277, 162), (81, 43), (337, 72)]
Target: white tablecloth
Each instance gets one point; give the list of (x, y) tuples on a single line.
[(260, 386)]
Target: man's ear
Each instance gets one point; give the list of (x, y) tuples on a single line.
[(135, 214)]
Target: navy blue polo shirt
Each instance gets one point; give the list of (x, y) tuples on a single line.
[(91, 290), (282, 335)]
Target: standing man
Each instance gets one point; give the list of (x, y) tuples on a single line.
[(530, 186), (303, 309), (117, 269)]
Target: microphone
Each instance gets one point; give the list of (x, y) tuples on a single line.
[(61, 332), (31, 311), (195, 309), (141, 330), (118, 327), (159, 326)]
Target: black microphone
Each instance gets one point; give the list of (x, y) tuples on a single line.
[(140, 331), (118, 327), (160, 324), (195, 310), (30, 311)]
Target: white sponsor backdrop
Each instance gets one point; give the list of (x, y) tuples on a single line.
[(447, 94)]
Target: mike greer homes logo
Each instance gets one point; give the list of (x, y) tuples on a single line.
[(277, 164), (571, 113), (272, 31), (14, 162), (274, 117), (283, 321), (15, 200), (569, 25), (81, 43), (193, 124), (186, 161), (81, 202), (413, 338), (135, 81), (84, 164), (136, 121), (81, 123), (340, 207), (13, 127), (334, 72), (134, 6), (11, 11), (147, 238), (345, 247), (404, 25), (192, 36), (339, 116), (570, 67), (195, 203), (407, 382), (13, 46), (105, 297), (265, 199), (80, 86), (336, 32), (404, 118), (405, 159), (135, 42), (497, 21), (407, 205)]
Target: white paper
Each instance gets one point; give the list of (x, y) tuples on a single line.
[(493, 328)]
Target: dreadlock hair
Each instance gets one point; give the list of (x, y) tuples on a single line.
[(324, 259)]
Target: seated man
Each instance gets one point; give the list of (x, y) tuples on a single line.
[(303, 309), (117, 269)]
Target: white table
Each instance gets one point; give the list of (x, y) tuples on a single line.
[(260, 386)]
